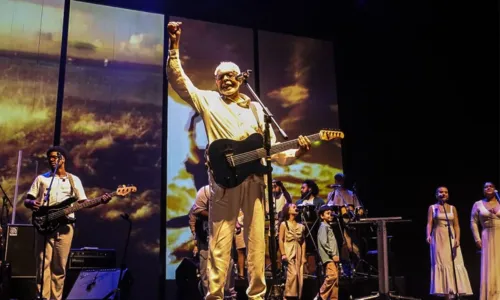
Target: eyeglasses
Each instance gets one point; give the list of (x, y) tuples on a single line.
[(231, 75)]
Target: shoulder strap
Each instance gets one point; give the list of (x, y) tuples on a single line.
[(256, 115), (73, 189)]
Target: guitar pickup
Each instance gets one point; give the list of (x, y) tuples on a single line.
[(230, 160)]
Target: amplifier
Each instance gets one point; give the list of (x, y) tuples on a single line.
[(91, 258)]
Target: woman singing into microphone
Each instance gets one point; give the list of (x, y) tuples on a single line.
[(293, 249), (443, 276), (486, 213)]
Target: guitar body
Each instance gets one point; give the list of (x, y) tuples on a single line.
[(228, 176), (44, 226)]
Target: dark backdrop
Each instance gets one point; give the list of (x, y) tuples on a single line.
[(418, 100)]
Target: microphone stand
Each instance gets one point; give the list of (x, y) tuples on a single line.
[(275, 292), (46, 201), (5, 200), (123, 265), (355, 194), (496, 196), (3, 224), (450, 234)]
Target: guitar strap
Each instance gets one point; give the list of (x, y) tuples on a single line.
[(256, 115), (73, 189)]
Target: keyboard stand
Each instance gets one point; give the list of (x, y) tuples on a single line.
[(383, 259)]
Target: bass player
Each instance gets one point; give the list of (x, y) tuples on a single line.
[(57, 244)]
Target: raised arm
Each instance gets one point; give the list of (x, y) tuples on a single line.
[(429, 225), (474, 225), (456, 227), (176, 77)]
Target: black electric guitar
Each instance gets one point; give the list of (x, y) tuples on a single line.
[(47, 219), (231, 162)]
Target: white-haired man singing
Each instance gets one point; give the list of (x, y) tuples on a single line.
[(228, 114)]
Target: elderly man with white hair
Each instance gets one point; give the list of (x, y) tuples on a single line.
[(229, 114)]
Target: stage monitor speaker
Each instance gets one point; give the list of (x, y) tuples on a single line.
[(100, 284), (20, 250), (186, 278)]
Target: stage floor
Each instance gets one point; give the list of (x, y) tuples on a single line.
[(357, 287)]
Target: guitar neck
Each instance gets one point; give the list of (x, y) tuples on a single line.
[(84, 204), (256, 154), (289, 145)]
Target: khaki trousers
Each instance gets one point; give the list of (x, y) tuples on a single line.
[(58, 245), (330, 287), (229, 286), (224, 208)]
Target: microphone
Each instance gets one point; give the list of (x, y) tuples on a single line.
[(243, 75), (125, 216)]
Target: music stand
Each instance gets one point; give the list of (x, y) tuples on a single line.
[(383, 259)]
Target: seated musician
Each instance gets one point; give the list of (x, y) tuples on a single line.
[(309, 194), (341, 196), (198, 223)]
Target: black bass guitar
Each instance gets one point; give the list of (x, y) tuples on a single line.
[(47, 219), (231, 162)]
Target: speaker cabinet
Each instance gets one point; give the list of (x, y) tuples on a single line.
[(20, 250), (100, 284), (186, 277)]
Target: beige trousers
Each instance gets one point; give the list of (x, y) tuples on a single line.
[(57, 250), (330, 287), (225, 205)]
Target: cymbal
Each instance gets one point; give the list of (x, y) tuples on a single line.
[(334, 186)]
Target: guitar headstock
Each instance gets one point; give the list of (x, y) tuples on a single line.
[(124, 190), (328, 135)]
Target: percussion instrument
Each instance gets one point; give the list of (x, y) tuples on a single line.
[(343, 211)]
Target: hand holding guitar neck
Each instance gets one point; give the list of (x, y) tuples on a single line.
[(48, 219), (231, 162)]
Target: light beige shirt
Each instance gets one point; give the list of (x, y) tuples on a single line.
[(223, 120), (60, 190), (338, 197)]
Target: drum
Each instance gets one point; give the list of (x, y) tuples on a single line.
[(343, 211)]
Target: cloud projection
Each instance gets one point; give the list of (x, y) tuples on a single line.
[(111, 122)]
